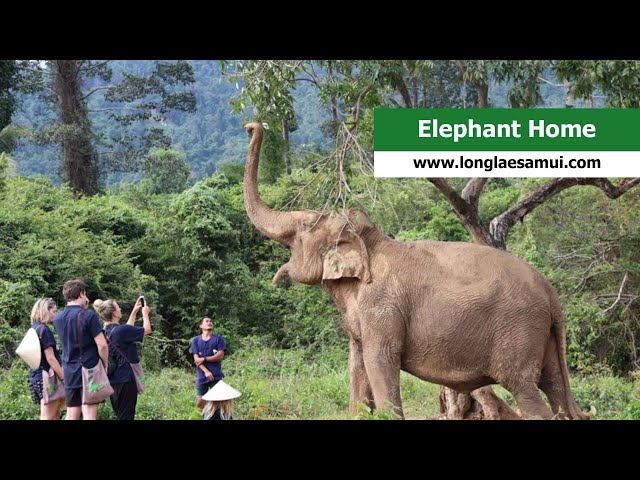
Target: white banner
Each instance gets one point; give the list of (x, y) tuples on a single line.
[(506, 164)]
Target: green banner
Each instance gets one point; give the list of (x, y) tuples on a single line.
[(506, 129)]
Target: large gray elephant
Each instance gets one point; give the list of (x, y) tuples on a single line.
[(452, 313)]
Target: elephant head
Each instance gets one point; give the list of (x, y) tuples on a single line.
[(324, 246)]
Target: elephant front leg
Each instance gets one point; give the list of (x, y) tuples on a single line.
[(360, 389), (383, 370)]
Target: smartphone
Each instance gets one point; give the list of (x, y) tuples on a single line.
[(141, 300)]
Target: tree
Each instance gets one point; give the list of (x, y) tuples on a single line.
[(8, 76), (82, 89), (8, 135), (273, 152), (166, 171)]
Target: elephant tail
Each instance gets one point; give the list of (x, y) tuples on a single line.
[(559, 331)]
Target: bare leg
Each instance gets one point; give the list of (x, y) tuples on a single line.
[(90, 412), (51, 411), (73, 413)]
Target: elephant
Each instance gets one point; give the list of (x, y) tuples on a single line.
[(457, 314)]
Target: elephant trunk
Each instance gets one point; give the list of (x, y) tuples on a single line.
[(279, 226)]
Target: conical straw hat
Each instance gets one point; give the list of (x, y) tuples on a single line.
[(221, 391), (29, 349)]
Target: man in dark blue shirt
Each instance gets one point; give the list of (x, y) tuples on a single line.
[(78, 327), (208, 351)]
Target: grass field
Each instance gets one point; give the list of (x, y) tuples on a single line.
[(300, 384)]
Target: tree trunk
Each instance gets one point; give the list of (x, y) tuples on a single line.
[(568, 96), (483, 95), (79, 166), (481, 404), (287, 146), (403, 90), (8, 78)]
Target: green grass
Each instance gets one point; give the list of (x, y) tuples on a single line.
[(303, 384)]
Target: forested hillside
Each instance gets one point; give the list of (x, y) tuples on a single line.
[(209, 137)]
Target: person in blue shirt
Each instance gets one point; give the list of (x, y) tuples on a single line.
[(94, 346), (122, 340), (41, 314), (208, 351)]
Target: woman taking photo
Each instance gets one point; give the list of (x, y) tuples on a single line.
[(123, 352)]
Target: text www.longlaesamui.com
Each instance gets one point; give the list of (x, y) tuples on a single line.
[(492, 163)]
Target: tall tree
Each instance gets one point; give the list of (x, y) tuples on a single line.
[(81, 90), (8, 76)]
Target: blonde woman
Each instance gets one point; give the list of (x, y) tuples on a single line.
[(41, 314), (122, 340), (219, 402)]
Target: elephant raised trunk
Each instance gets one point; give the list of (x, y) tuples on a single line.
[(278, 226), (457, 314)]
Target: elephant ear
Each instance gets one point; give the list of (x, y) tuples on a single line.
[(347, 259)]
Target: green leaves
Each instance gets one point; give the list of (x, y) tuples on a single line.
[(618, 80), (46, 237), (166, 171)]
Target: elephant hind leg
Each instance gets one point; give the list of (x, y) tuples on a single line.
[(552, 384), (551, 381), (530, 402)]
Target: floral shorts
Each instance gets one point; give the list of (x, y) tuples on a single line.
[(35, 388)]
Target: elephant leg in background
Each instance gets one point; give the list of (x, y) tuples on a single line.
[(552, 384), (360, 389), (493, 407), (383, 370), (529, 401)]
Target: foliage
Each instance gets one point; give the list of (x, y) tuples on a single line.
[(5, 168), (587, 246), (36, 229), (166, 171), (524, 75), (10, 338), (272, 157), (15, 400), (618, 80), (81, 87)]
